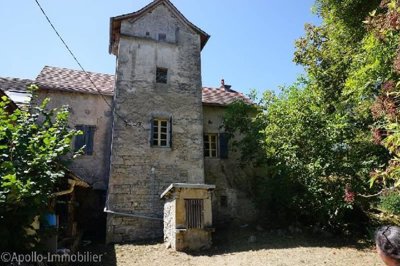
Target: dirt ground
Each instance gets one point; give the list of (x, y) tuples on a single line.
[(234, 248)]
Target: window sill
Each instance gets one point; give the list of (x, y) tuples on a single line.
[(212, 158), (161, 148)]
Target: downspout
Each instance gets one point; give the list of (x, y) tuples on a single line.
[(132, 215), (71, 188)]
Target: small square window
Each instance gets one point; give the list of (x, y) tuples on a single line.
[(161, 75), (162, 37)]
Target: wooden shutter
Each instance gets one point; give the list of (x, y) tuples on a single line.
[(80, 139), (89, 134), (151, 131), (223, 145), (170, 132)]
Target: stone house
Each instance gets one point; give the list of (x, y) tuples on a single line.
[(151, 124)]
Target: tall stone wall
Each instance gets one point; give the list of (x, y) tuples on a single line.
[(139, 172)]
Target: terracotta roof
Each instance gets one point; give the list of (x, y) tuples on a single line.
[(16, 90), (222, 96), (64, 79), (15, 84), (54, 78), (115, 22)]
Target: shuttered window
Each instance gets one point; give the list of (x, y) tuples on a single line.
[(194, 213), (85, 140), (216, 145)]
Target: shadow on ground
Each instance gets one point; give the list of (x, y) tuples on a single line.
[(245, 239), (237, 239)]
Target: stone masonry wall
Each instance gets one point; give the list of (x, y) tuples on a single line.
[(228, 177), (87, 109), (170, 223), (140, 173)]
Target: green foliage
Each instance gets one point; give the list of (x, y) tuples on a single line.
[(349, 13), (390, 202), (327, 51), (30, 148), (309, 156), (379, 63), (314, 141)]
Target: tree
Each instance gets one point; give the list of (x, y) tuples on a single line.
[(31, 148), (313, 159), (382, 64), (314, 140)]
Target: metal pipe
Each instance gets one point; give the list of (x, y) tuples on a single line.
[(132, 215), (72, 184)]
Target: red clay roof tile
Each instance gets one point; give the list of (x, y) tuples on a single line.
[(54, 78)]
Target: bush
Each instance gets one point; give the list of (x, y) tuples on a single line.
[(315, 161), (31, 145), (391, 202)]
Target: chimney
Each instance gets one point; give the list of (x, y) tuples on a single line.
[(225, 87)]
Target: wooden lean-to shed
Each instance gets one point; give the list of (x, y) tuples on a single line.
[(188, 216)]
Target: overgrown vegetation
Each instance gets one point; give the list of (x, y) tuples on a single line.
[(390, 202), (31, 145), (332, 138)]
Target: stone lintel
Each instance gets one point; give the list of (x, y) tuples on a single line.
[(171, 188)]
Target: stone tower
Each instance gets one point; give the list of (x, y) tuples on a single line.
[(158, 86)]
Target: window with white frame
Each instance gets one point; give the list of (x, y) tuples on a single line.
[(161, 132), (210, 145)]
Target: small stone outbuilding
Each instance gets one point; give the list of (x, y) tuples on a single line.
[(188, 216)]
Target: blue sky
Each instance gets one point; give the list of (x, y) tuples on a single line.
[(251, 44)]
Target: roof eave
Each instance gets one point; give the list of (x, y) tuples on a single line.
[(11, 105), (215, 104), (204, 37), (111, 36), (52, 88)]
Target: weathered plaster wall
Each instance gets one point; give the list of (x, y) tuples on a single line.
[(87, 109), (139, 172), (230, 179)]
